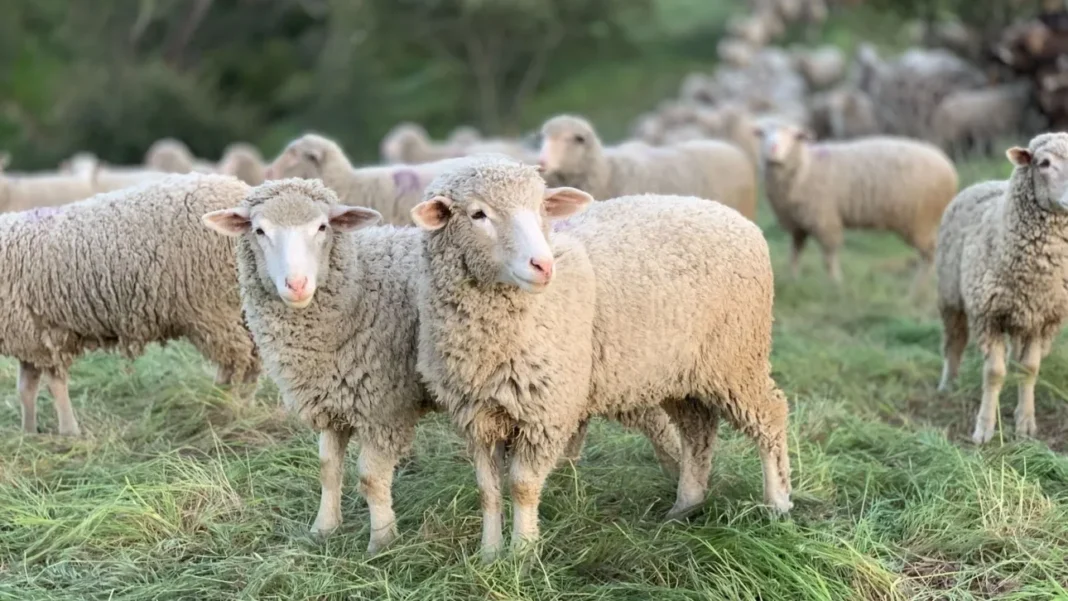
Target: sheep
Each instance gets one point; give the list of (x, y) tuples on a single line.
[(244, 162), (883, 183), (980, 117), (409, 143), (843, 114), (107, 178), (334, 319), (120, 271), (36, 190), (1002, 255), (698, 88), (488, 260), (392, 190), (821, 67), (172, 156), (463, 136), (735, 52), (572, 155)]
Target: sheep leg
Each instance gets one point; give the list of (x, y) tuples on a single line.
[(57, 385), (29, 381), (656, 425), (797, 245), (489, 460), (573, 451), (1029, 355), (697, 424), (830, 243), (332, 445), (954, 340), (993, 379), (376, 466), (529, 470), (923, 273)]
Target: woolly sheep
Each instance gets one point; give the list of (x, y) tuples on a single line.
[(120, 271), (980, 117), (881, 183), (173, 156), (488, 256), (334, 318), (572, 155), (463, 136), (821, 67), (19, 192), (1001, 259), (409, 143), (698, 88), (392, 190), (842, 114), (735, 52), (244, 162), (108, 178)]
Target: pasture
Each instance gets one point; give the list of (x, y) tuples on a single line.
[(178, 491)]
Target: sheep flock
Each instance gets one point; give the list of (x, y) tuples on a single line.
[(522, 287)]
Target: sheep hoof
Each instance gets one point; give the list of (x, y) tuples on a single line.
[(677, 515), (1026, 427), (380, 543), (68, 430), (982, 435), (324, 525), (780, 504), (490, 554)]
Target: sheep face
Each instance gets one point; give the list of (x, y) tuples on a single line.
[(778, 142), (303, 158), (1045, 164), (291, 235), (567, 144), (495, 221)]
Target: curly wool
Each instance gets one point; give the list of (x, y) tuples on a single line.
[(706, 168), (120, 271), (883, 183)]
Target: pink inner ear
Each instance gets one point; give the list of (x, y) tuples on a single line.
[(432, 214), (232, 221)]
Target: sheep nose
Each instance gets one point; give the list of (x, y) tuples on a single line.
[(543, 267), (297, 283)]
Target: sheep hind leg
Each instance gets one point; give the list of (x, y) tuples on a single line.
[(489, 461), (1029, 355), (923, 275), (993, 379), (57, 385), (655, 424), (29, 382), (573, 450), (235, 355), (774, 454), (954, 341), (332, 445), (697, 425)]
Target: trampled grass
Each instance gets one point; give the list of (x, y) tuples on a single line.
[(177, 492)]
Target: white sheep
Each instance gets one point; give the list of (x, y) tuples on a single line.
[(504, 312), (1002, 256), (979, 118), (821, 67), (107, 178), (173, 156), (884, 183), (572, 155), (244, 162), (19, 192), (120, 271), (409, 143)]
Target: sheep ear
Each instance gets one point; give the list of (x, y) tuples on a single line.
[(432, 214), (565, 202), (1019, 156), (346, 219), (229, 222), (315, 155)]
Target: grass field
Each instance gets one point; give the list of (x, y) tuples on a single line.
[(177, 492)]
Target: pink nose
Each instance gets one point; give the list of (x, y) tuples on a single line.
[(297, 284), (542, 267)]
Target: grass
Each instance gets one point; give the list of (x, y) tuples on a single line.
[(177, 492)]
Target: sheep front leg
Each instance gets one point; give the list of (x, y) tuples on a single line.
[(57, 385), (797, 245), (488, 460), (530, 468), (29, 381), (1029, 355), (993, 379), (376, 467), (332, 445)]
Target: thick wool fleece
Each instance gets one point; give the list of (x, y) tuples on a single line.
[(880, 183), (391, 190), (706, 168), (684, 314), (509, 365), (22, 192), (120, 271)]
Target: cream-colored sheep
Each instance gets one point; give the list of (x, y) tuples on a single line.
[(977, 119), (106, 178), (1002, 258), (882, 183), (244, 162), (409, 143), (173, 156), (572, 155)]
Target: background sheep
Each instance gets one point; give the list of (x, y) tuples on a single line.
[(1002, 255), (572, 155), (173, 156), (978, 118), (27, 191), (104, 273), (872, 183), (244, 162), (409, 143), (106, 178)]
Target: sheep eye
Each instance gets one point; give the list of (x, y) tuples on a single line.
[(580, 139), (478, 215), (322, 227), (1044, 164), (259, 231)]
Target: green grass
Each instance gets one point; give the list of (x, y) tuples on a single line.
[(178, 492)]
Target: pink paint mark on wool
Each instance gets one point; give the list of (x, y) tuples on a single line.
[(820, 151), (563, 224), (406, 181), (40, 213)]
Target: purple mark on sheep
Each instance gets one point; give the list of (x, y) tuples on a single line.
[(34, 215), (406, 181), (563, 224), (820, 152)]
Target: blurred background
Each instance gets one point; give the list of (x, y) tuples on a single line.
[(113, 76)]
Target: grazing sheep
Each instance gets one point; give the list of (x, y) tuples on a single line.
[(881, 183), (32, 190), (392, 190), (572, 155), (409, 143), (1002, 256), (694, 271), (334, 318), (244, 162), (120, 271), (978, 118)]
